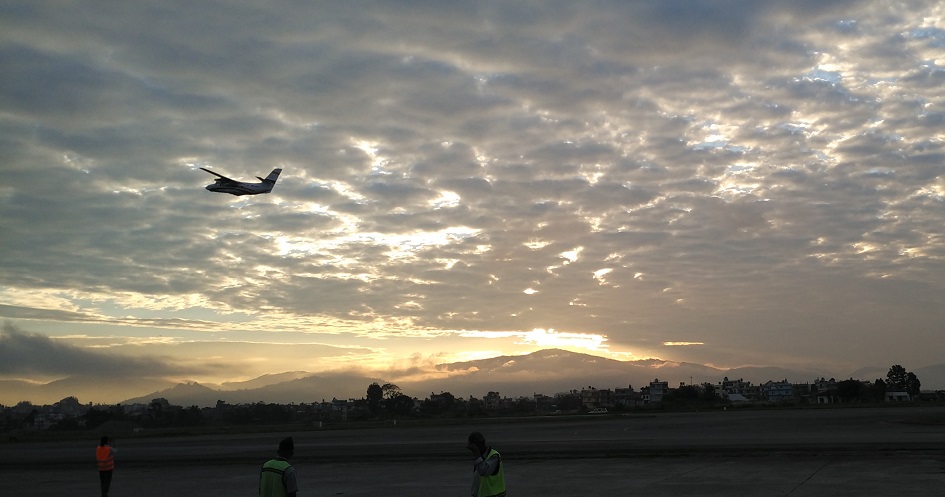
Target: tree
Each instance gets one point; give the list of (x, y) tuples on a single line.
[(190, 417), (848, 390), (709, 392), (374, 395), (897, 377), (401, 405), (913, 385), (390, 391), (475, 407), (903, 381), (438, 404), (878, 390), (95, 417), (686, 393)]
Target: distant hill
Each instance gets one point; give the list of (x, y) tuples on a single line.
[(931, 377), (870, 373), (108, 389), (547, 372), (312, 388), (759, 375), (182, 394), (553, 370), (264, 380)]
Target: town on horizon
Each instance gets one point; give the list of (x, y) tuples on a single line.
[(388, 402)]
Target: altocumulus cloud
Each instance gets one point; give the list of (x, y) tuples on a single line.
[(760, 177)]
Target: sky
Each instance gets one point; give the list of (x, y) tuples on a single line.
[(722, 182)]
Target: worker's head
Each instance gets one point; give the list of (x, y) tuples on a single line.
[(104, 440), (477, 440), (286, 447)]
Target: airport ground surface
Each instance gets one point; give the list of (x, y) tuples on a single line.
[(807, 452)]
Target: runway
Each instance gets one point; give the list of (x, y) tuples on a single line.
[(804, 452)]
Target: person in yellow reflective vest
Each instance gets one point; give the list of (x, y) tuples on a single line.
[(105, 457), (488, 471), (277, 477)]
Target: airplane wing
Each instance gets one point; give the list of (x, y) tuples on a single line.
[(220, 175)]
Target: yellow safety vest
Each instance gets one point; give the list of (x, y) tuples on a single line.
[(271, 482), (493, 485)]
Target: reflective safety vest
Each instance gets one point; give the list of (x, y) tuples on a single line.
[(493, 485), (105, 458), (271, 482)]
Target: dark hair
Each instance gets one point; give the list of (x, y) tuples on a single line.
[(287, 446), (104, 440), (477, 439)]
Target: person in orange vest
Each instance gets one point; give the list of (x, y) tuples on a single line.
[(488, 470), (105, 455), (277, 477)]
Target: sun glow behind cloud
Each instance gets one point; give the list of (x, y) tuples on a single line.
[(546, 338)]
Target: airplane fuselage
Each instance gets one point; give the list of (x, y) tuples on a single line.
[(239, 188)]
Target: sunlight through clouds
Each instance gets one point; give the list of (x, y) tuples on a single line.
[(445, 200), (555, 339), (545, 338)]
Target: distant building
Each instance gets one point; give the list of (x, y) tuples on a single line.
[(543, 402), (491, 401), (735, 398), (592, 398), (897, 396), (825, 391), (740, 387), (655, 393), (777, 391), (627, 397)]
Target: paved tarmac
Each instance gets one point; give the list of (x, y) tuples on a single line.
[(807, 452)]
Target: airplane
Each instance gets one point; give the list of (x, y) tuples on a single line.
[(233, 187)]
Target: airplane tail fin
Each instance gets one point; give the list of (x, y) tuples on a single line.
[(273, 176)]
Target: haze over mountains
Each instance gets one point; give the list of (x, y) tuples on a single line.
[(547, 372)]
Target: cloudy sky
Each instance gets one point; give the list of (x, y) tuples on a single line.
[(724, 182)]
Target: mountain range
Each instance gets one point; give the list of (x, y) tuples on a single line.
[(547, 372)]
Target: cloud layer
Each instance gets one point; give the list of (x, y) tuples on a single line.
[(746, 182), (35, 354)]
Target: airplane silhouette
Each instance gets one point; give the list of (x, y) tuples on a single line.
[(233, 187)]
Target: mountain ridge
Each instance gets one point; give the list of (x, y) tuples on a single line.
[(547, 371)]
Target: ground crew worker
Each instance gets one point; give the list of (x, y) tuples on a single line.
[(277, 478), (105, 456), (488, 471)]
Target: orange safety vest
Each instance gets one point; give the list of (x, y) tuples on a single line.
[(105, 458)]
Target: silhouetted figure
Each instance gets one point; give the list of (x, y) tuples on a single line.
[(488, 471), (105, 456), (277, 478)]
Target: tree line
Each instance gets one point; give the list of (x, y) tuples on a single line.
[(387, 401)]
